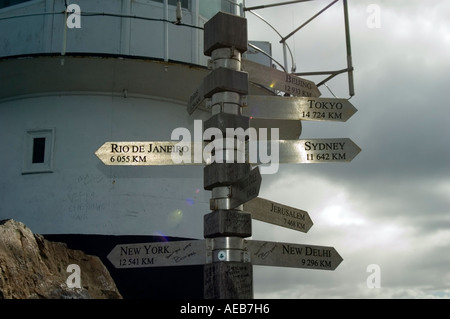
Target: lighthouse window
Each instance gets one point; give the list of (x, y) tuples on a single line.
[(209, 8), (38, 154), (184, 3), (38, 150)]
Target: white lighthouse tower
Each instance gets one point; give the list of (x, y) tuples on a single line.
[(77, 73)]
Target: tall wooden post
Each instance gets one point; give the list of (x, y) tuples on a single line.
[(230, 274)]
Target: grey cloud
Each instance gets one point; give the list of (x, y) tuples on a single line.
[(399, 184)]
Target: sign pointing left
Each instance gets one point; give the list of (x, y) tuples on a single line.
[(159, 254), (148, 153)]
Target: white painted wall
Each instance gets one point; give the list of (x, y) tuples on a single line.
[(39, 26), (83, 195)]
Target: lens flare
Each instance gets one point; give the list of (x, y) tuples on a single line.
[(162, 235), (174, 218)]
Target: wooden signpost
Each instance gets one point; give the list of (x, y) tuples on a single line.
[(225, 252)]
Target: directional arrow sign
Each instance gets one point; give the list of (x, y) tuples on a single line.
[(150, 153), (159, 254), (299, 108), (246, 188), (180, 153), (278, 214), (287, 129), (306, 151), (267, 253), (279, 80), (196, 99)]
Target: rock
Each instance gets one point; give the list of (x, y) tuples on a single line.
[(32, 267)]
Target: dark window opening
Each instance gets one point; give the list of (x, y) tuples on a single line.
[(38, 150), (184, 3)]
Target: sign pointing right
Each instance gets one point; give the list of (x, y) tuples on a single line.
[(266, 253), (299, 108), (327, 150), (279, 80), (278, 214)]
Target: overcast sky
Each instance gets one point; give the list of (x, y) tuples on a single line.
[(390, 206)]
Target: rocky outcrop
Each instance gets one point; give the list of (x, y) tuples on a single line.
[(32, 267)]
